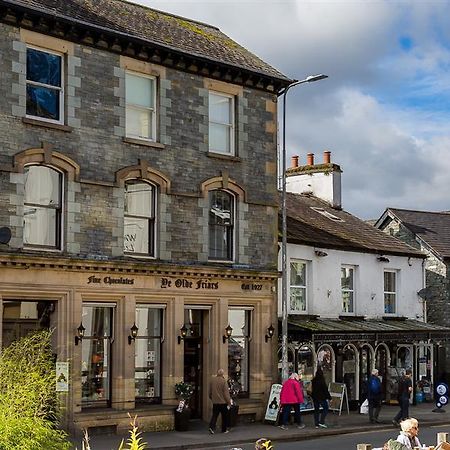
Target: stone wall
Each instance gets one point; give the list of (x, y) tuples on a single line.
[(93, 137)]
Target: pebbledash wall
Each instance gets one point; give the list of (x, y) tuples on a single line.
[(91, 151)]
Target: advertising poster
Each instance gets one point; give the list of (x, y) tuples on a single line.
[(62, 377), (273, 403)]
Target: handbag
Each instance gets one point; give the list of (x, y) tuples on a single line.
[(364, 409)]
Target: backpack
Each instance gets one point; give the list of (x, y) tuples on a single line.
[(375, 385)]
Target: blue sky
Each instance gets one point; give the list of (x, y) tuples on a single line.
[(384, 111)]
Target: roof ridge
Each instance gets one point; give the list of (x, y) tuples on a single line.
[(419, 211), (165, 13)]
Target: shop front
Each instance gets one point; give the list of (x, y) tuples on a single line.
[(348, 350), (129, 333)]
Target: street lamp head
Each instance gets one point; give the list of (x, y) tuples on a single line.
[(313, 78)]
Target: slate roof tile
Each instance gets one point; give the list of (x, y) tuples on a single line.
[(157, 27), (309, 227)]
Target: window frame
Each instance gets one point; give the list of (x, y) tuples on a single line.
[(159, 338), (231, 229), (390, 293), (304, 287), (59, 219), (61, 88), (153, 112), (230, 126), (248, 312), (152, 221), (346, 290)]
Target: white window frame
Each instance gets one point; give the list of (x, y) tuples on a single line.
[(305, 286), (394, 293), (352, 291), (59, 239), (233, 228), (152, 111), (230, 125), (151, 221), (61, 120)]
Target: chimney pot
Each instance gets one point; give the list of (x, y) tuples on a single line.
[(294, 161), (310, 159), (327, 157)]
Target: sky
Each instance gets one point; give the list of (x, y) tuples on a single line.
[(384, 111)]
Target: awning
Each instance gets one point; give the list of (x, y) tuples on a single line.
[(344, 329)]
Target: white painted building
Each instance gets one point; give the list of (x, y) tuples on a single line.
[(353, 301)]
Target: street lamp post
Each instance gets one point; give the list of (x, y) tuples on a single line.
[(284, 296)]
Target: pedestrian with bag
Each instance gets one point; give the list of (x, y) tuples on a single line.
[(320, 395), (374, 396), (291, 396), (404, 392)]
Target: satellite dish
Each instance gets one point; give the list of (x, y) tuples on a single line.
[(425, 293), (5, 235)]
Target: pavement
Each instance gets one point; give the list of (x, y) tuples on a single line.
[(198, 436)]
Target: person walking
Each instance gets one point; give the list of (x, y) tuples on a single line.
[(221, 400), (374, 396), (404, 392), (320, 396), (291, 396)]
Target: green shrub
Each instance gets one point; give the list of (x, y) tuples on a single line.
[(28, 400)]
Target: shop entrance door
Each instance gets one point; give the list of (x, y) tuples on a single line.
[(193, 358), (193, 373)]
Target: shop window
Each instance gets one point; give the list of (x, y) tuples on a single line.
[(96, 356), (42, 213), (221, 225), (390, 291), (140, 98), (221, 123), (349, 359), (147, 356), (238, 350), (45, 90), (348, 289), (139, 218), (298, 287)]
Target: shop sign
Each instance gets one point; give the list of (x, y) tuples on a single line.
[(184, 283), (62, 377), (251, 287), (273, 405), (109, 280)]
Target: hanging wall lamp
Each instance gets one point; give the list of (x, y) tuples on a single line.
[(133, 333), (183, 333), (228, 333), (80, 334), (270, 332)]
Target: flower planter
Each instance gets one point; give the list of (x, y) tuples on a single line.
[(182, 419)]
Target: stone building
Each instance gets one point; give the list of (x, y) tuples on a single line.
[(138, 206), (354, 299), (430, 233)]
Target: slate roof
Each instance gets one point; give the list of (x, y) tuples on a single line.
[(153, 27), (431, 227), (308, 227)]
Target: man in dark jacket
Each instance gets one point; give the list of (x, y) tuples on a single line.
[(374, 396), (404, 392), (221, 399)]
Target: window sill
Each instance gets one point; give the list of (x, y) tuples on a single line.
[(144, 142), (43, 123), (222, 156)]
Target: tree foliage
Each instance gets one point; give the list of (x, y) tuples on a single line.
[(28, 400)]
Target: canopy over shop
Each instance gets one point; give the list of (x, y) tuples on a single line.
[(348, 349)]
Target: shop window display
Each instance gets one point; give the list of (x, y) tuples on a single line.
[(96, 355)]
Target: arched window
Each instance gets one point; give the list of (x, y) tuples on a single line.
[(221, 225), (139, 218), (42, 215)]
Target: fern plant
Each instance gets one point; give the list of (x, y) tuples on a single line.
[(135, 441)]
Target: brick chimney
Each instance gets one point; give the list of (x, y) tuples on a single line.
[(323, 180)]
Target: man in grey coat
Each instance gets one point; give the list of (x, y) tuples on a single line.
[(221, 400)]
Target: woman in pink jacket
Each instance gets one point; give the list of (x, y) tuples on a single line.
[(291, 396)]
